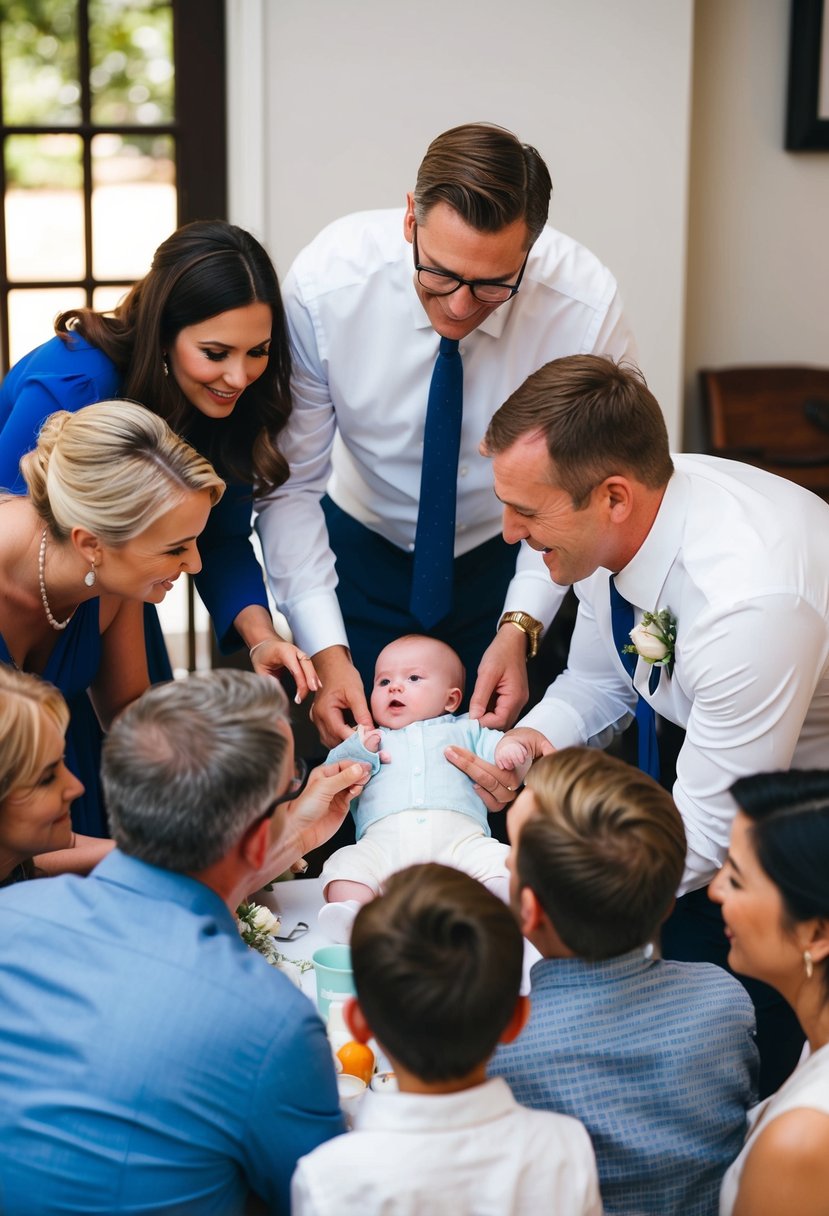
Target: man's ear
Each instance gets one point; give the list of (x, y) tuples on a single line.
[(255, 842), (354, 1019), (519, 1019), (619, 497), (409, 218), (453, 700)]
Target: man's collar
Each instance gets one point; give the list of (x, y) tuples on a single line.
[(153, 882)]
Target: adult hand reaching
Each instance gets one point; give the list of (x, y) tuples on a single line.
[(314, 816), (273, 654), (497, 786), (342, 693), (502, 681)]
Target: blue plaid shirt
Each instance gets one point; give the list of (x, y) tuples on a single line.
[(658, 1061)]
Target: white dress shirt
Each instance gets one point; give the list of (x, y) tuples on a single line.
[(472, 1153), (741, 559), (364, 350)]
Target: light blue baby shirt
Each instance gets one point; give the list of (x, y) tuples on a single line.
[(418, 774)]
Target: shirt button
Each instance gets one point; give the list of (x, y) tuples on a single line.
[(461, 528), (417, 771), (410, 546), (463, 470)]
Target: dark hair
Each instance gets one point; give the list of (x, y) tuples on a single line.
[(437, 966), (488, 176), (789, 813), (203, 269), (598, 418), (604, 852)]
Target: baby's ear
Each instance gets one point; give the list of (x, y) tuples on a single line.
[(453, 700)]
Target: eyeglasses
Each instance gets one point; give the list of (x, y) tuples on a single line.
[(444, 283), (295, 786)]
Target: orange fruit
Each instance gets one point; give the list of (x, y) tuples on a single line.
[(357, 1060)]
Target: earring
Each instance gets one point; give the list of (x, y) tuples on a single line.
[(90, 576), (808, 964), (165, 365)]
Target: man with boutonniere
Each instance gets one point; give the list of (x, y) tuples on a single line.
[(703, 589)]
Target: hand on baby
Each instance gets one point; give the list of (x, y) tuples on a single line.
[(370, 738), (512, 755)]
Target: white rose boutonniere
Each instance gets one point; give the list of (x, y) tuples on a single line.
[(654, 639)]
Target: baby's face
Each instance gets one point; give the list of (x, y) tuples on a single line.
[(415, 678)]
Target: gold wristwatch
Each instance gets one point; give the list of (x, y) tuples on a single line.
[(527, 624)]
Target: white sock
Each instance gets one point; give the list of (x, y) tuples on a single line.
[(336, 919)]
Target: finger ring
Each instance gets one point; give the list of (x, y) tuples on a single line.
[(509, 789), (302, 657)]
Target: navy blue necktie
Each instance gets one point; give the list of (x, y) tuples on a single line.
[(434, 553), (621, 620)]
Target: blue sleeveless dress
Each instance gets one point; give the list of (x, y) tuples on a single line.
[(72, 666)]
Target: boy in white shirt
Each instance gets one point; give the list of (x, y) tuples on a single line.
[(437, 967)]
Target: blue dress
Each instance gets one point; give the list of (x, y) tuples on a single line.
[(72, 666)]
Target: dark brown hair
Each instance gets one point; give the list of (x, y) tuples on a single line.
[(203, 269), (437, 966), (598, 418), (604, 852), (488, 176)]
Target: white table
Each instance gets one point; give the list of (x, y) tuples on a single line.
[(295, 901)]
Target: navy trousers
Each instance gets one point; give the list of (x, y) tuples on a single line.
[(694, 933), (375, 586)]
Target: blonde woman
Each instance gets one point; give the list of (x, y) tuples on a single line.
[(114, 506), (36, 787)]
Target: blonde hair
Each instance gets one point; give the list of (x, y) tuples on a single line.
[(27, 704), (112, 468), (604, 851)]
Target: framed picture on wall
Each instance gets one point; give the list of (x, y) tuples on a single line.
[(807, 110)]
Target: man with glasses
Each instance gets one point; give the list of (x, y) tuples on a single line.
[(149, 1060), (408, 330)]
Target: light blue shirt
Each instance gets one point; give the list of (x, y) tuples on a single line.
[(657, 1059), (149, 1060), (418, 774)]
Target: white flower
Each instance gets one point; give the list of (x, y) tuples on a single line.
[(649, 642), (264, 921)]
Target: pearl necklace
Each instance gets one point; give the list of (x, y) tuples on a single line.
[(41, 563)]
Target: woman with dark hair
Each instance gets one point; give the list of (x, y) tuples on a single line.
[(201, 342), (774, 892)]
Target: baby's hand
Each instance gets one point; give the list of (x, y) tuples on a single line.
[(511, 754), (370, 739)]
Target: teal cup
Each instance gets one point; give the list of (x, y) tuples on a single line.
[(335, 979)]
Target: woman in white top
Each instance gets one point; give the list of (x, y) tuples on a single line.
[(774, 892)]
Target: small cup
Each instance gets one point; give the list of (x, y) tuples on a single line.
[(335, 979)]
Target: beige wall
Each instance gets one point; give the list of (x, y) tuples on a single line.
[(758, 238), (333, 102)]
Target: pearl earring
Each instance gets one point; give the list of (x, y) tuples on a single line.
[(808, 964), (90, 576), (165, 365)]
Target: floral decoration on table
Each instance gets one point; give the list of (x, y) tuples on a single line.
[(654, 639), (257, 926)]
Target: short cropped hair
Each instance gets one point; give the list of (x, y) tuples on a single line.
[(598, 418), (437, 967), (789, 813), (488, 176), (27, 705), (113, 468), (189, 766), (604, 852)]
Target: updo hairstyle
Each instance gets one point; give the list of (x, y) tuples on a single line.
[(27, 704)]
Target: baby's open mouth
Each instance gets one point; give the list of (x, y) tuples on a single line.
[(395, 704)]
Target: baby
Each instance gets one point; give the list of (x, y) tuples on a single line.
[(416, 807)]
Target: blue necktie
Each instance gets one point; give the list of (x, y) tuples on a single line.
[(434, 554), (621, 620)]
